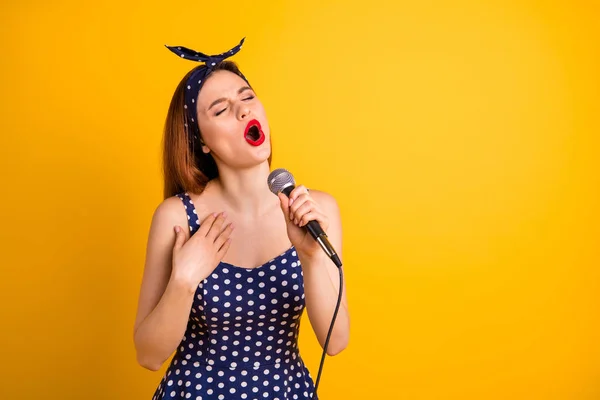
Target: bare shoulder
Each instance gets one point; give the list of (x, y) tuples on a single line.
[(330, 208), (170, 212), (325, 200), (169, 206), (157, 265)]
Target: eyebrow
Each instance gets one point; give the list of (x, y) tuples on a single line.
[(222, 99)]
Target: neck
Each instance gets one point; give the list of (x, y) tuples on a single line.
[(246, 191)]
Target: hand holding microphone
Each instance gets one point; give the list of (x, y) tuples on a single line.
[(306, 223)]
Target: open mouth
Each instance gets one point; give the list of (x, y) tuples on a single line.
[(254, 134)]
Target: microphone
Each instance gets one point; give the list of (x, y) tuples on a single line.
[(281, 180)]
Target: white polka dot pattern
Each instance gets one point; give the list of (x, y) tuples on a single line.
[(241, 340)]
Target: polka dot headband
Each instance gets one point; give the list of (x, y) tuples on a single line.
[(196, 80)]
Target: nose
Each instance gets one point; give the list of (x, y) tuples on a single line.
[(243, 111)]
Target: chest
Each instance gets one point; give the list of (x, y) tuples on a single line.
[(255, 239), (252, 245)]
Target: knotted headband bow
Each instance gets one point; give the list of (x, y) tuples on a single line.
[(196, 80)]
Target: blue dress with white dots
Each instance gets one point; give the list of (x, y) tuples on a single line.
[(241, 340)]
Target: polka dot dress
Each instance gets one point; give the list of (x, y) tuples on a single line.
[(241, 340)]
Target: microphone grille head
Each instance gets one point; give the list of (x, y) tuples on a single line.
[(279, 179)]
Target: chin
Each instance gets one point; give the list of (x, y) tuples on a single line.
[(263, 152), (255, 160)]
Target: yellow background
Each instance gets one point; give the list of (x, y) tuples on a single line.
[(460, 139)]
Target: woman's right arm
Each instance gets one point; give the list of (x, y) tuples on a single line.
[(174, 267)]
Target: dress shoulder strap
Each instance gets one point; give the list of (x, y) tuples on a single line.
[(190, 209)]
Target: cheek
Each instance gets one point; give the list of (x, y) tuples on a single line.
[(217, 133), (262, 115), (206, 130), (260, 110), (209, 133), (212, 127)]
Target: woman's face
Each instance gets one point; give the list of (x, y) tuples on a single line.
[(232, 121)]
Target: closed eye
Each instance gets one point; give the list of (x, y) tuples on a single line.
[(225, 109)]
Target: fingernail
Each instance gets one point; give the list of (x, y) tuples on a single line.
[(291, 201)]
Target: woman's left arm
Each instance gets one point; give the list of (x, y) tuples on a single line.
[(321, 275)]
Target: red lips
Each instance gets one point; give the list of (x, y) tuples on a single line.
[(253, 133)]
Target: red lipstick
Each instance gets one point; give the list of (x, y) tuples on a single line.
[(253, 133)]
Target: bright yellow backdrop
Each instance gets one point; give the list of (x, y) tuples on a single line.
[(460, 139)]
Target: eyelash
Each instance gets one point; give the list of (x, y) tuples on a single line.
[(223, 110)]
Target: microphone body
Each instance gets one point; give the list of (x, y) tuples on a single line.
[(280, 180)]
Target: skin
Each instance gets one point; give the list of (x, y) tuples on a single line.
[(242, 223)]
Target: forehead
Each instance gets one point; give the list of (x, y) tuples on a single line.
[(220, 84)]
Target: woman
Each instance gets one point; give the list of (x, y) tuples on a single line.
[(227, 293)]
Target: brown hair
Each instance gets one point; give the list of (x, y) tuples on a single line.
[(186, 167)]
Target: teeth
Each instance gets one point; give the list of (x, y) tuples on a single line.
[(253, 133)]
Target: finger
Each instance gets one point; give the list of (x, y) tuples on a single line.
[(206, 225), (314, 216), (297, 191), (300, 201), (300, 207), (223, 250), (224, 235), (217, 226), (284, 203), (179, 237)]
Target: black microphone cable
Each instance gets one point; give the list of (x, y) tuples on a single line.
[(281, 180), (337, 307)]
